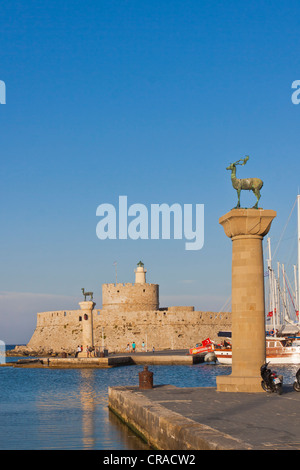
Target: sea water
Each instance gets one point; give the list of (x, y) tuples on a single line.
[(44, 408)]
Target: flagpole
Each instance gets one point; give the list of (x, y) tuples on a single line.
[(115, 264), (271, 286), (298, 248)]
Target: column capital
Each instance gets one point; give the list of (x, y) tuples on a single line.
[(247, 222), (87, 305)]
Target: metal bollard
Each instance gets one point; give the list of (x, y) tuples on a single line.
[(145, 379)]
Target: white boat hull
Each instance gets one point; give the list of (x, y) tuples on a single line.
[(284, 360), (226, 358), (223, 357), (278, 351)]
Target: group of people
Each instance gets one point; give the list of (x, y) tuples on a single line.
[(93, 352), (90, 351), (133, 347), (79, 349)]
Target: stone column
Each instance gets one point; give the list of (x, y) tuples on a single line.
[(87, 325), (246, 228)]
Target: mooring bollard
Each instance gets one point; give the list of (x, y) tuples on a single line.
[(145, 379)]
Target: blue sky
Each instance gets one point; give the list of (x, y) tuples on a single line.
[(149, 99)]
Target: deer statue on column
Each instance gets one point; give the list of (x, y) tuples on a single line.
[(250, 184), (87, 294)]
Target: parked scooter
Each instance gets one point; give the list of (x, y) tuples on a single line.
[(296, 384), (271, 381)]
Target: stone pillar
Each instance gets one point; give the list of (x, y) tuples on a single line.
[(246, 228), (87, 325)]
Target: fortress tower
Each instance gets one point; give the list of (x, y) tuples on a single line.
[(131, 297)]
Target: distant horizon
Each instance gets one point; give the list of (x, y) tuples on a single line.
[(151, 100)]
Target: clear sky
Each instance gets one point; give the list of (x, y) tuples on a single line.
[(148, 99)]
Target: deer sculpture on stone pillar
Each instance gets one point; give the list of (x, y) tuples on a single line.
[(90, 294), (250, 184)]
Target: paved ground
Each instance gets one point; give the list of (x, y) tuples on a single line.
[(165, 352), (265, 421)]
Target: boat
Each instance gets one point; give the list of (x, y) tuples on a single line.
[(204, 347), (224, 355), (279, 350), (282, 316), (283, 350), (223, 351)]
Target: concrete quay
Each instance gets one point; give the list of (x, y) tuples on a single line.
[(176, 357), (172, 418), (160, 358), (72, 363)]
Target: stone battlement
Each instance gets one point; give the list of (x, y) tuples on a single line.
[(122, 284), (130, 297)]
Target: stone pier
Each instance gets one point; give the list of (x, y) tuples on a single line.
[(246, 228)]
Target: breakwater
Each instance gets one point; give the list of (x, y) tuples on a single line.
[(201, 418), (160, 358)]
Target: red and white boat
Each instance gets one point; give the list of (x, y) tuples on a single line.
[(278, 351), (204, 347)]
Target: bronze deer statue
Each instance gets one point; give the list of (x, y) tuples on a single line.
[(87, 293), (251, 184)]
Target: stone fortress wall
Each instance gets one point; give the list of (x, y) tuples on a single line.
[(174, 327), (130, 312)]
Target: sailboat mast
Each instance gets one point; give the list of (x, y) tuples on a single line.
[(298, 235), (271, 286), (279, 311), (296, 287), (284, 293)]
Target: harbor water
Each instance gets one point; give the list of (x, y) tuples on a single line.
[(67, 408)]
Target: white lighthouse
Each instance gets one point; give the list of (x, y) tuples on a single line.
[(140, 273)]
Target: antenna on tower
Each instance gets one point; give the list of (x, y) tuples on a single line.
[(115, 264)]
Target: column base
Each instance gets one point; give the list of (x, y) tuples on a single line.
[(230, 383)]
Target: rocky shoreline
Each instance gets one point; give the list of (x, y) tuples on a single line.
[(21, 351)]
